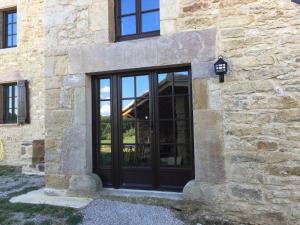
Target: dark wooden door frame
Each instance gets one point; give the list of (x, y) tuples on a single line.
[(116, 127)]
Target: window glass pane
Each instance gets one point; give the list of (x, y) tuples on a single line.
[(14, 41), (105, 133), (14, 29), (165, 83), (16, 92), (128, 132), (9, 42), (14, 17), (184, 156), (10, 103), (129, 155), (181, 82), (105, 88), (105, 155), (9, 29), (128, 108), (128, 25), (136, 156), (165, 108), (142, 109), (181, 107), (182, 132), (10, 90), (142, 86), (166, 131), (150, 21), (127, 6), (167, 155), (9, 17), (105, 109), (150, 4), (143, 132), (128, 87)]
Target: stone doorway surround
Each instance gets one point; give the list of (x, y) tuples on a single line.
[(69, 129)]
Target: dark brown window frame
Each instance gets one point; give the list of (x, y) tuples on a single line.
[(5, 106), (138, 13), (108, 171), (5, 27)]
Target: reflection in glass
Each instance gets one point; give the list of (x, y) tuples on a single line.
[(165, 81), (181, 107), (166, 131), (183, 156), (148, 5), (128, 108), (105, 155), (162, 77), (165, 108), (128, 132), (128, 87), (105, 131), (181, 82), (128, 25), (142, 109), (127, 6), (167, 155), (105, 109), (143, 133), (136, 156), (182, 131), (142, 86), (105, 88), (150, 21)]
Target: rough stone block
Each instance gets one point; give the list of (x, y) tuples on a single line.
[(84, 184)]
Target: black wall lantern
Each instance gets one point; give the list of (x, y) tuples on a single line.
[(221, 68)]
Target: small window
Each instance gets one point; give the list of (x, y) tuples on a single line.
[(14, 102), (137, 19), (10, 29), (10, 106), (296, 1)]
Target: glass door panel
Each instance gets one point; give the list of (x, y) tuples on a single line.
[(104, 120), (136, 134)]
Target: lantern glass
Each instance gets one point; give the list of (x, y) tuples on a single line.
[(221, 66)]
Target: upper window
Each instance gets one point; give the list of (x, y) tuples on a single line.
[(10, 29), (137, 19)]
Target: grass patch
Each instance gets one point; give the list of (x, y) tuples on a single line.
[(9, 170), (74, 219), (52, 214)]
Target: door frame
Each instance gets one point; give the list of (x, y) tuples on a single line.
[(116, 126)]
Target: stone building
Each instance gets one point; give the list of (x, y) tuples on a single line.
[(22, 59), (234, 146)]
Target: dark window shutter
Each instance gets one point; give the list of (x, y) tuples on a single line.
[(2, 104), (23, 102), (296, 1)]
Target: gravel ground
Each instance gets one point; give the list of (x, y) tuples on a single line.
[(106, 212)]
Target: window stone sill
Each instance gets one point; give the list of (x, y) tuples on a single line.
[(9, 125), (8, 50)]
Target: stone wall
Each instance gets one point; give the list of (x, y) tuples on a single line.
[(24, 62), (259, 110), (246, 130)]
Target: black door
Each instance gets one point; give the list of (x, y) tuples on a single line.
[(143, 129)]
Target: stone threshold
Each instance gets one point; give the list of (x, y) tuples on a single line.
[(52, 197), (61, 198), (133, 193)]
